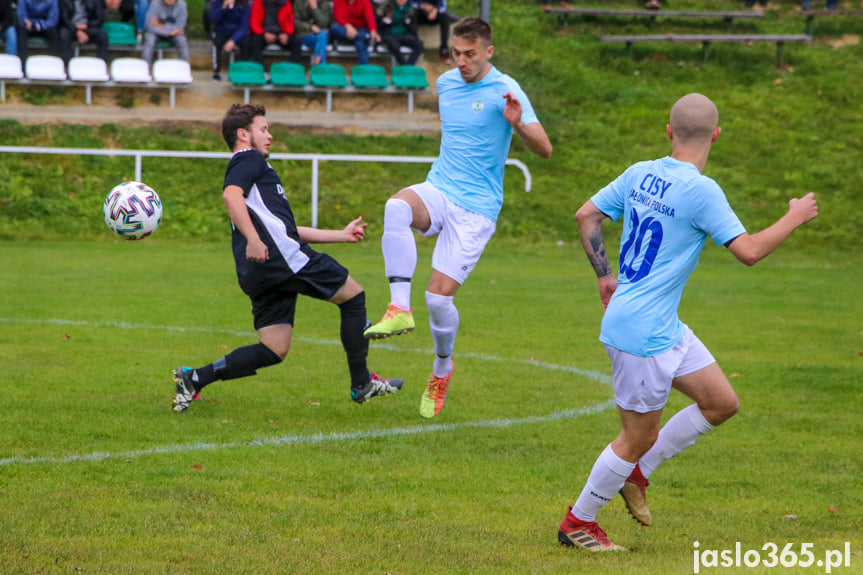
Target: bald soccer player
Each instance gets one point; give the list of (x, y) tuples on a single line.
[(669, 209)]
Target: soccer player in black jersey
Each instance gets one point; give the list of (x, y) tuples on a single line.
[(275, 264)]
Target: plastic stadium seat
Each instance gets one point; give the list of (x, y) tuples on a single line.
[(45, 68), (120, 34), (88, 69), (10, 67), (328, 76), (369, 76), (409, 77), (172, 71), (288, 74), (131, 70), (248, 73)]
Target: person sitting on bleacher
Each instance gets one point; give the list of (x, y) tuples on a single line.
[(7, 27), (434, 12), (270, 22), (398, 27), (81, 22), (805, 4), (128, 11), (230, 20), (38, 18), (166, 20), (355, 23), (312, 18)]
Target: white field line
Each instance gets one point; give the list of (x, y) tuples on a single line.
[(317, 437)]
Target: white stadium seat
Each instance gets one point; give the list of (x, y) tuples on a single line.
[(88, 69), (131, 70), (10, 67), (45, 68), (172, 71)]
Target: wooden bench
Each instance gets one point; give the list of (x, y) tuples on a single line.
[(811, 14), (706, 39), (652, 15)]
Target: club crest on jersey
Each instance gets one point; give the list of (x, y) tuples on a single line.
[(477, 106)]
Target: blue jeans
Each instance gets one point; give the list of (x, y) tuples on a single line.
[(318, 42), (361, 42), (11, 41), (141, 7)]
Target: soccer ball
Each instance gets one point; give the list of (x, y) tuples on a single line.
[(132, 210)]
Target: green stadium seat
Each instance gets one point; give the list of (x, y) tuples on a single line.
[(120, 34), (369, 76), (409, 77), (328, 76), (248, 73), (288, 74)]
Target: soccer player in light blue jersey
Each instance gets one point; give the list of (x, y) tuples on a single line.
[(669, 209), (480, 108)]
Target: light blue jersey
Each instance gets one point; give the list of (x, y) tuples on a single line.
[(475, 139), (668, 211)]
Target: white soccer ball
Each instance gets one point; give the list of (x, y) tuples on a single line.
[(132, 210)]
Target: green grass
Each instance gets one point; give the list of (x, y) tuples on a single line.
[(91, 329)]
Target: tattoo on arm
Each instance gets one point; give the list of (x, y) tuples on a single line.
[(598, 258)]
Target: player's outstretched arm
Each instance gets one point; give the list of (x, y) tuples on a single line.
[(590, 220), (235, 202), (352, 233), (533, 135), (750, 249)]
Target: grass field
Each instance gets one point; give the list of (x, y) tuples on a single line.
[(281, 473)]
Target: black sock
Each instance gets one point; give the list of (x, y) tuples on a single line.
[(241, 362), (356, 345)]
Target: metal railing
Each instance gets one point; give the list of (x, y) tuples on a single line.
[(315, 159)]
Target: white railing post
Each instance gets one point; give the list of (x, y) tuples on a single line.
[(139, 169), (315, 162)]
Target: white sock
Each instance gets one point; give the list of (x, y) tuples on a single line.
[(443, 321), (678, 433), (400, 250), (606, 478)]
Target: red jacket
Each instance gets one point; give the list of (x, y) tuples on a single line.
[(286, 17), (358, 14)]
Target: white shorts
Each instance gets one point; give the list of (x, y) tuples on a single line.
[(642, 384), (462, 237)]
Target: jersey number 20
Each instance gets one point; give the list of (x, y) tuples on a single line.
[(636, 243)]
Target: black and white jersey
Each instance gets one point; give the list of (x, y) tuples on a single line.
[(273, 219)]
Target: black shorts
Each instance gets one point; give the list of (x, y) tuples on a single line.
[(320, 278)]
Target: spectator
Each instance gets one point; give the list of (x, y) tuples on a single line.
[(398, 27), (166, 20), (804, 5), (81, 21), (652, 5), (434, 12), (270, 22), (38, 18), (128, 11), (230, 19), (312, 18), (355, 22), (7, 26)]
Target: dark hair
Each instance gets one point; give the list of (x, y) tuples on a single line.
[(239, 117), (472, 28)]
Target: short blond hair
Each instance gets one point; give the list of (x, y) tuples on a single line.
[(693, 118)]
